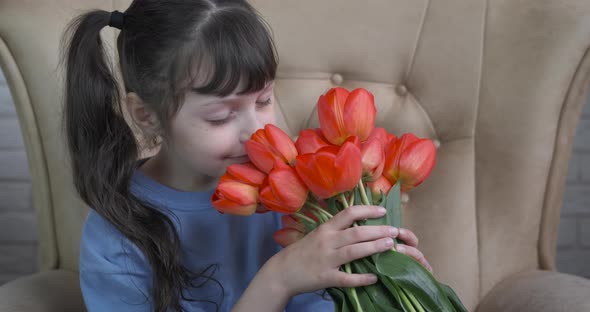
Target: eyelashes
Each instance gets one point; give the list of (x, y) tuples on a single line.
[(219, 122)]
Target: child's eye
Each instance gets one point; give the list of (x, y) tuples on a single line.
[(264, 103), (219, 122)]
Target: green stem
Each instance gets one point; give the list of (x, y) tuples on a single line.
[(414, 301), (404, 298), (364, 197), (320, 216), (351, 202), (355, 298), (344, 201), (319, 210), (302, 216)]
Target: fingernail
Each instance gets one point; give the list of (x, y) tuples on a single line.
[(381, 210), (401, 248), (373, 278), (389, 242), (393, 231)]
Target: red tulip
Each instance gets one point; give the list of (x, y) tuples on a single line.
[(378, 186), (291, 222), (287, 236), (237, 190), (373, 155), (383, 136), (310, 140), (331, 170), (269, 145), (246, 173), (283, 191), (409, 160), (235, 197), (343, 114)]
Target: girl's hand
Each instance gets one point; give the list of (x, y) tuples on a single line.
[(410, 247), (313, 262)]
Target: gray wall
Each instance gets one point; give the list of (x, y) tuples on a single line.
[(18, 237)]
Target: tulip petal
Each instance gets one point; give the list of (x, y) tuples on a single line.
[(287, 236), (260, 156), (393, 153), (416, 163), (348, 167), (359, 113), (373, 157), (225, 205), (310, 141), (241, 193), (289, 222), (288, 188), (281, 142), (330, 114), (246, 173)]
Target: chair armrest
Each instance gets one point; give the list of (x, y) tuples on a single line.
[(57, 290), (538, 291)]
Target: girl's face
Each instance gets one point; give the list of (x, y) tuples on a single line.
[(208, 132)]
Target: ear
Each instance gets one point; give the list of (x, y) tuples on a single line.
[(143, 117)]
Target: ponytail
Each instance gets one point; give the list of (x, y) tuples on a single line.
[(104, 152)]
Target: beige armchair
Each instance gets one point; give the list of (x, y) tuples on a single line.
[(498, 84)]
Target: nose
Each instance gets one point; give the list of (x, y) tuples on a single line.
[(250, 125)]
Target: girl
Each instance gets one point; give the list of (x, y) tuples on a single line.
[(198, 81)]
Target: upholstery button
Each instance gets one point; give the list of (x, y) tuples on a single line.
[(337, 79), (436, 143), (401, 90), (405, 198)]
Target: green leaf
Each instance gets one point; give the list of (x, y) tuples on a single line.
[(393, 206), (340, 302), (385, 281), (369, 196), (380, 296), (410, 275), (309, 226), (383, 199), (333, 206), (358, 200), (365, 300), (455, 301)]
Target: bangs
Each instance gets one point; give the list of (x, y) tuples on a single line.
[(234, 49)]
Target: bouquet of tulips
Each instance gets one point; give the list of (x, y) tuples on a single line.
[(347, 161)]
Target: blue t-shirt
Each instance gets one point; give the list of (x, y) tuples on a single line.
[(116, 276)]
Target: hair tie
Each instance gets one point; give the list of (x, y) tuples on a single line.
[(117, 19)]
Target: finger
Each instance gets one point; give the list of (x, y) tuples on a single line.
[(364, 233), (343, 279), (346, 217), (414, 253), (350, 253), (408, 237)]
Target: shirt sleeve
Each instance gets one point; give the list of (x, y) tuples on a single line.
[(318, 301), (114, 273)]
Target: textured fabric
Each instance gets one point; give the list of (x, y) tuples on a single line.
[(115, 275), (538, 291), (56, 290)]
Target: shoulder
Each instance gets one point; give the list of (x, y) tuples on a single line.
[(105, 249)]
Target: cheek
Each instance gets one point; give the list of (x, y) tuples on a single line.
[(268, 117), (195, 141)]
